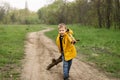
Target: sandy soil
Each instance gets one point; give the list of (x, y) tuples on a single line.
[(39, 50)]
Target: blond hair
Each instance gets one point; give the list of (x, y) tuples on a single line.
[(61, 25)]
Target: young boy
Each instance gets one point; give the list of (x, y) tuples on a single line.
[(65, 42)]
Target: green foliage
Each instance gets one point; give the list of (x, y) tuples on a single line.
[(23, 17), (50, 14), (17, 16), (4, 9), (100, 46), (12, 39), (68, 12), (95, 13)]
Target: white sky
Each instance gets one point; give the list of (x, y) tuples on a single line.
[(33, 5)]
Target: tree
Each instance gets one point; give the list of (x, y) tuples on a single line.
[(2, 13), (13, 18), (116, 13), (4, 10), (99, 14), (108, 13)]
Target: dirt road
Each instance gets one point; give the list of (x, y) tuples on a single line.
[(39, 50)]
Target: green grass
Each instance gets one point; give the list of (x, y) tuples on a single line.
[(12, 39), (100, 46)]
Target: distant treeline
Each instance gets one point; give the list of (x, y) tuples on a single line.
[(98, 13), (10, 15)]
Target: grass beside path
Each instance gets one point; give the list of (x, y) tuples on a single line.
[(100, 46), (12, 39)]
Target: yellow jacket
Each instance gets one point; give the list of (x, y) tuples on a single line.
[(68, 47)]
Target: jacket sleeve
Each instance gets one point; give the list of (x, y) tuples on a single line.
[(71, 38), (70, 35)]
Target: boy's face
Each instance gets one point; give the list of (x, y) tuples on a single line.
[(62, 31)]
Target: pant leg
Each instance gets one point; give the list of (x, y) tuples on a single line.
[(69, 65), (66, 67)]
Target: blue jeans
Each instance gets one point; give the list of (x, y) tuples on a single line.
[(66, 67)]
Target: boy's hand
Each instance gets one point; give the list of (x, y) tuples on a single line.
[(73, 42)]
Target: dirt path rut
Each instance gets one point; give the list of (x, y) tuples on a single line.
[(39, 50)]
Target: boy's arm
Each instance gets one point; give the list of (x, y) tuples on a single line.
[(71, 39)]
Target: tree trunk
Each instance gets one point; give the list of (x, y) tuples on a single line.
[(99, 14), (108, 12), (117, 14)]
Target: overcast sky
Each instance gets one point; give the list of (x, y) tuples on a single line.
[(33, 5)]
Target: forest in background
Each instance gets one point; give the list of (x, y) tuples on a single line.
[(97, 13)]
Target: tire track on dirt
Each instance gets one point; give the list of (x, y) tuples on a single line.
[(39, 50)]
